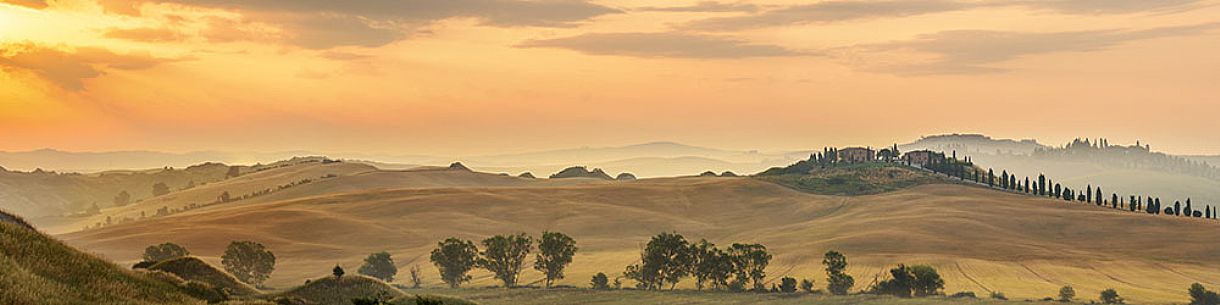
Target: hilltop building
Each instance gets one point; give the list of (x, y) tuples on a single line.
[(857, 155)]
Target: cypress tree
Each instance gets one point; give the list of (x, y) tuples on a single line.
[(1042, 184), (1100, 201), (1114, 200), (990, 178), (1188, 211), (1088, 194), (1177, 208), (1004, 180), (1026, 185)]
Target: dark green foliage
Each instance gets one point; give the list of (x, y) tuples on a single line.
[(380, 266), (1066, 294), (664, 260), (503, 255), (963, 294), (837, 281), (904, 282), (248, 261), (710, 265), (337, 271), (555, 252), (1110, 296), (1201, 296), (750, 262), (454, 258), (164, 251), (807, 285), (787, 285), (600, 281)]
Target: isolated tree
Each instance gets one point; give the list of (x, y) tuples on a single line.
[(787, 285), (600, 281), (555, 252), (416, 277), (1110, 296), (160, 189), (807, 285), (122, 199), (380, 266), (1066, 294), (664, 260), (248, 261), (454, 258), (164, 251), (927, 281), (837, 281), (337, 271), (503, 255), (750, 262)]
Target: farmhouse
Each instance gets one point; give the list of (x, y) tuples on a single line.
[(857, 155)]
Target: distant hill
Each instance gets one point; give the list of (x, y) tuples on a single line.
[(41, 270), (89, 162), (581, 172), (972, 144), (982, 240)]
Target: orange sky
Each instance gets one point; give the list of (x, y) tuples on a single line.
[(488, 76)]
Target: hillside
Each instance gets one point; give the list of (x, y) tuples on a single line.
[(194, 269), (982, 240), (35, 269)]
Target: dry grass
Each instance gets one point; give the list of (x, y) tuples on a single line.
[(35, 269), (331, 290), (496, 296), (981, 240)]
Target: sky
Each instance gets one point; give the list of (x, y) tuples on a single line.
[(494, 76)]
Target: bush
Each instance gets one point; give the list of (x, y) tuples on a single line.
[(807, 285), (1110, 296), (787, 285), (600, 281), (964, 294)]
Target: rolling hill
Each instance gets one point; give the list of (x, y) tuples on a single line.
[(981, 240)]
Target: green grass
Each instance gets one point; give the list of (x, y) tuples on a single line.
[(855, 179), (35, 269), (497, 296)]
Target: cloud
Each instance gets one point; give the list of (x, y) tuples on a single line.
[(829, 11), (974, 51), (851, 10), (36, 4), (320, 24), (144, 34), (671, 44), (69, 68), (703, 7)]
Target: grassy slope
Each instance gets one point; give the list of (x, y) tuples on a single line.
[(624, 297), (35, 269), (856, 179), (981, 240), (194, 269)]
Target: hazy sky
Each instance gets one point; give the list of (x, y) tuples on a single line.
[(486, 76)]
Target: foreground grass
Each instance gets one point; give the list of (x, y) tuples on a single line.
[(527, 296)]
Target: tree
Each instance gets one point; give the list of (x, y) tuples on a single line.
[(1066, 294), (899, 285), (337, 271), (1041, 184), (709, 265), (503, 255), (248, 261), (454, 257), (600, 281), (164, 251), (416, 278), (807, 285), (1201, 296), (555, 252), (122, 199), (927, 281), (990, 178), (1187, 210), (837, 282), (750, 262), (1110, 296), (664, 260), (1004, 180), (160, 189), (380, 266), (224, 197), (787, 285)]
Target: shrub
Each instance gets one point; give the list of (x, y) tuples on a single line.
[(963, 294), (787, 285), (600, 281), (807, 285), (1110, 296), (1201, 296)]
